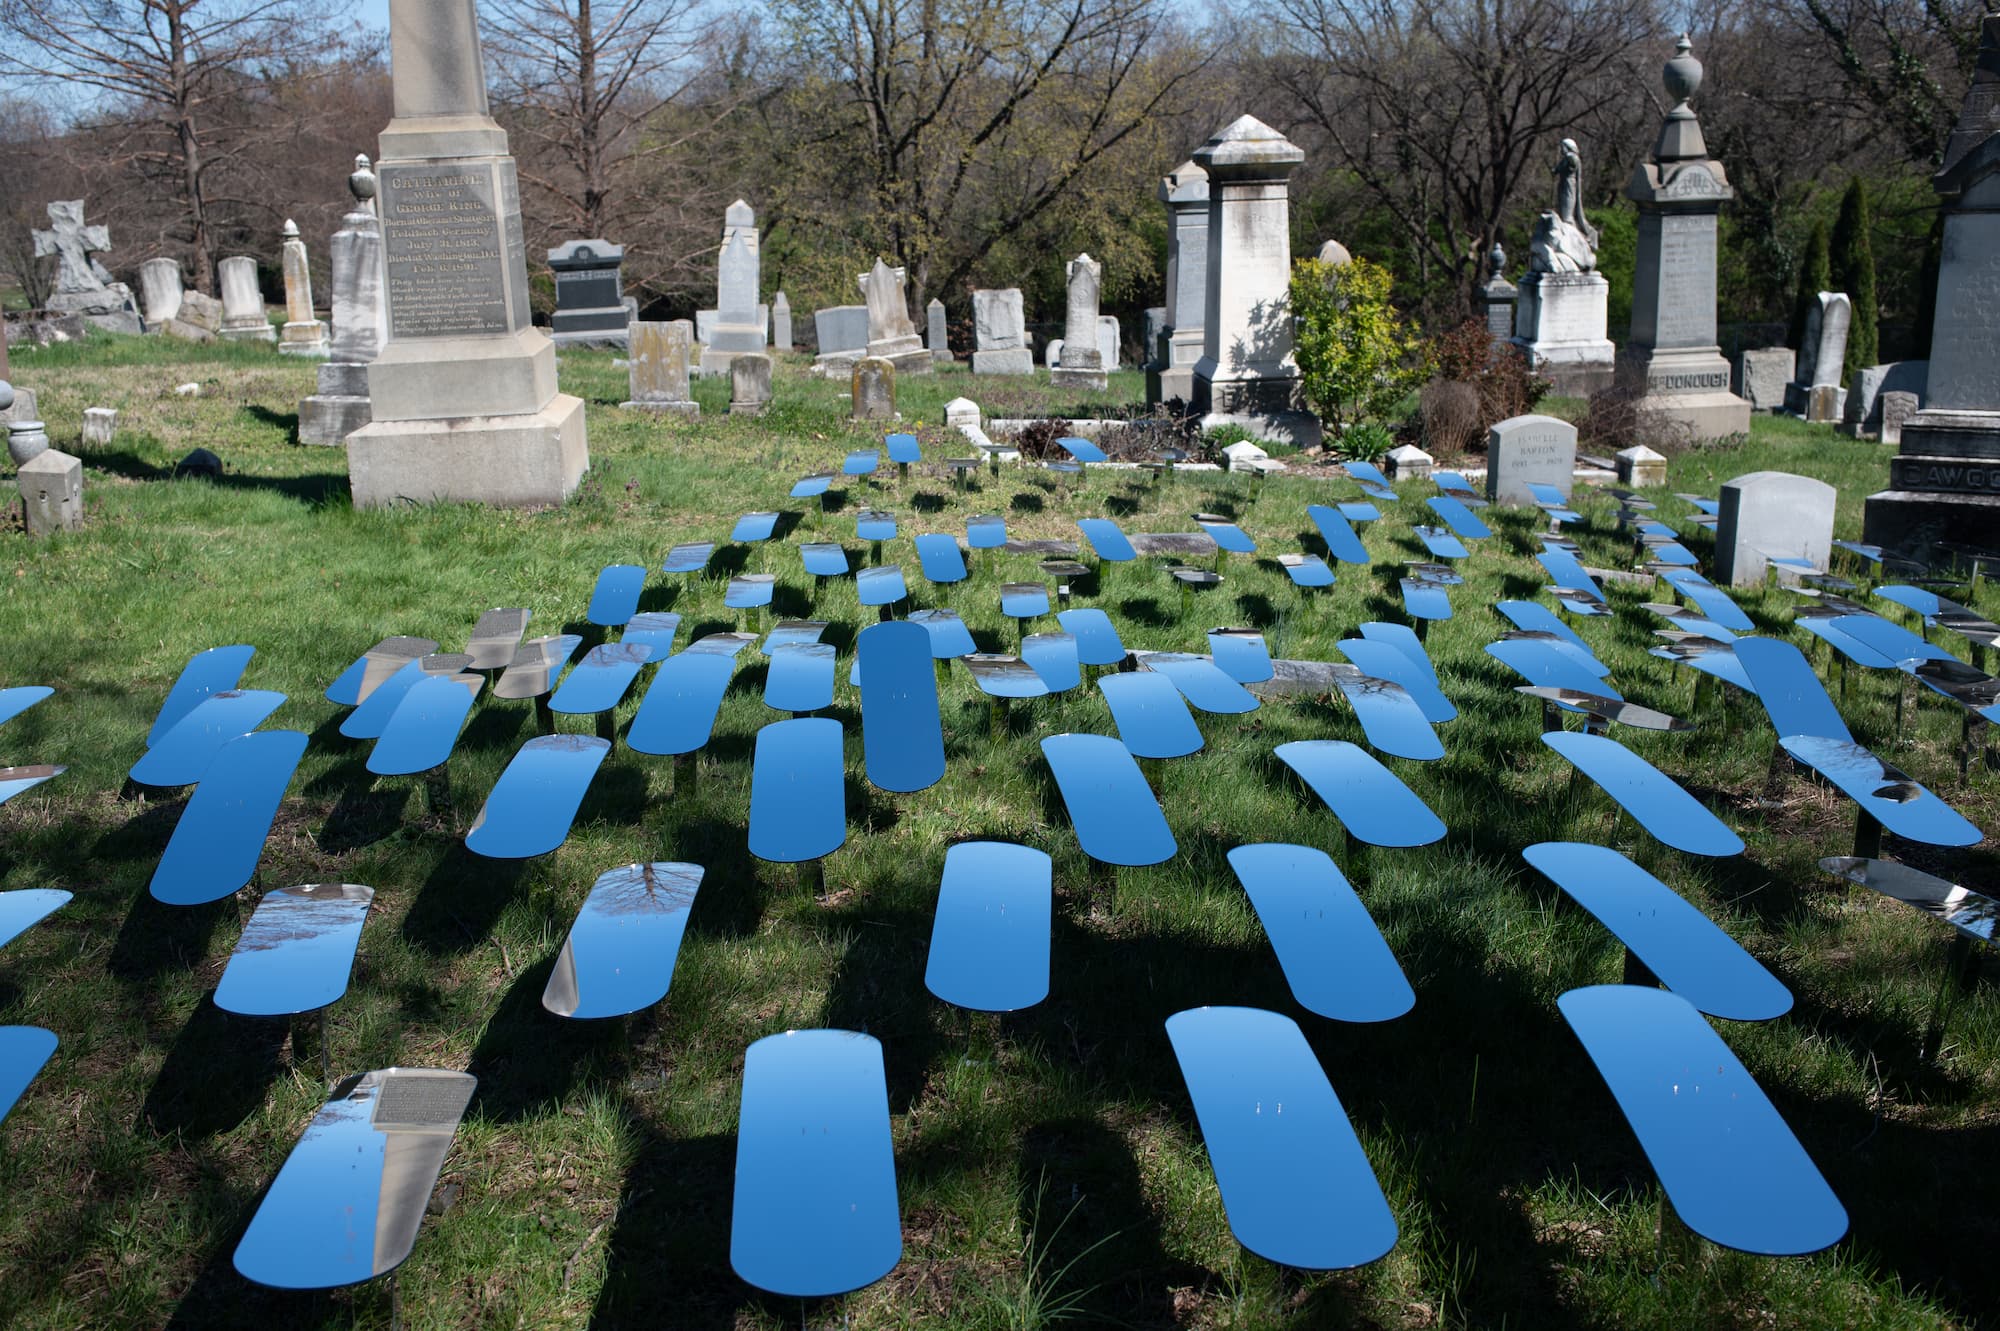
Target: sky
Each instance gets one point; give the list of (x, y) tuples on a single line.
[(375, 13)]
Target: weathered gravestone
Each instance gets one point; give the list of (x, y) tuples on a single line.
[(1529, 449), (1861, 418), (1404, 462), (1498, 298), (1641, 466), (160, 290), (83, 286), (1081, 363), (99, 425), (938, 336), (749, 383), (303, 333), (1564, 301), (1000, 333), (738, 323), (243, 317), (590, 296), (1767, 515), (1763, 374), (842, 334), (1893, 411), (1108, 338), (660, 354), (1814, 392), (51, 492), (891, 335), (1185, 192), (199, 318), (781, 323), (873, 388), (360, 318)]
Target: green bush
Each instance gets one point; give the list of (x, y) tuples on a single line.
[(1365, 442), (1358, 357), (1815, 273)]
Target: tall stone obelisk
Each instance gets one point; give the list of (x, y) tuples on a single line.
[(464, 393)]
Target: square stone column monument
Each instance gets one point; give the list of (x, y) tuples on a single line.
[(464, 393), (1246, 375), (1185, 192), (1673, 351)]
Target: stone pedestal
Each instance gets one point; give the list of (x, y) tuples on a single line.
[(1761, 376), (360, 319), (1498, 298), (1185, 192), (160, 292), (740, 323), (51, 492), (1559, 325), (1641, 467), (1407, 462), (99, 425), (243, 317), (999, 333), (1080, 363), (590, 299), (660, 353), (464, 395)]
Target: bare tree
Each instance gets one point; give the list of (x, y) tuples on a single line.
[(1908, 63)]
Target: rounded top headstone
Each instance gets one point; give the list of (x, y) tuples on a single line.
[(739, 213), (1335, 253), (362, 183), (1682, 74)]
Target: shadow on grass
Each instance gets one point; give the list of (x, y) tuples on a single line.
[(217, 1072)]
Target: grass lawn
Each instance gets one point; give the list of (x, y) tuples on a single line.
[(1048, 1162)]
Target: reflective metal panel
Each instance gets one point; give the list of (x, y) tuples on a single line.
[(1443, 575), (750, 591), (1367, 798), (1024, 600), (679, 708), (184, 752), (1389, 716), (1458, 517), (1913, 598), (990, 938), (1117, 819), (1081, 449), (533, 803), (1195, 577), (1333, 956), (1334, 529), (655, 631), (619, 956), (15, 701), (1734, 1172), (220, 837), (1566, 571), (689, 558), (949, 636), (1721, 664), (1673, 552), (1096, 639), (798, 799), (1972, 689), (369, 719), (1540, 663), (1892, 641), (23, 1050), (861, 462), (496, 636), (1608, 709), (1425, 600), (1708, 598), (1898, 803), (791, 632), (1677, 943), (373, 666), (730, 645), (1359, 511), (1004, 676), (616, 598), (599, 681), (824, 560), (1307, 570), (1534, 617), (1370, 478), (20, 911), (815, 1204), (347, 1202), (754, 527), (424, 728), (214, 671), (1106, 540), (1441, 543), (800, 678), (813, 486), (1971, 913), (1579, 602), (984, 531), (1384, 661), (1295, 1183), (535, 666), (1688, 622), (1712, 507), (880, 586), (1201, 682), (874, 525), (1826, 630), (1227, 535), (1240, 654), (902, 739), (1052, 656), (1452, 483), (297, 951), (902, 448), (1152, 718), (1654, 799), (14, 780), (1792, 695), (1405, 640), (940, 557)]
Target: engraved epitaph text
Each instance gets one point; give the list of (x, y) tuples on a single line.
[(449, 239)]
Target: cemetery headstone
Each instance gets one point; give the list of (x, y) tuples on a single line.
[(660, 357), (781, 323), (1052, 354), (160, 291), (1640, 466), (51, 492), (873, 385), (1184, 191), (1564, 301), (1672, 361), (1771, 514), (938, 336), (1525, 450), (99, 424), (243, 317), (303, 333), (1081, 362), (1408, 462), (1894, 409), (738, 323), (1334, 253), (1000, 333), (360, 318), (463, 395), (1108, 339), (749, 383), (1498, 298), (842, 333), (199, 318), (1814, 392), (1861, 418), (891, 335), (83, 286), (590, 297), (1763, 374), (1153, 347), (1246, 375)]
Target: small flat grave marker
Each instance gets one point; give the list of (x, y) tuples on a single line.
[(374, 666), (214, 671), (1116, 817), (495, 638), (616, 596), (531, 807), (1655, 800), (1333, 956), (297, 952), (1370, 802), (184, 753), (800, 678), (798, 803), (600, 679), (220, 836), (1152, 718), (619, 956), (423, 730), (990, 936), (535, 666)]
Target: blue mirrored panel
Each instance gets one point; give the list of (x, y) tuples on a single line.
[(424, 729), (1052, 656), (1679, 944), (1546, 664), (1898, 803), (730, 645), (985, 531), (902, 739), (1081, 449), (535, 666), (1240, 654), (655, 631), (1370, 478), (1708, 598), (20, 911), (14, 780), (1924, 603), (1201, 682), (1712, 507), (1579, 603), (1024, 600), (1453, 483), (949, 636), (184, 753), (599, 681), (1333, 956), (678, 712), (1405, 640), (619, 956), (373, 666), (1547, 495), (1004, 676), (1152, 718), (1721, 664), (798, 802), (1565, 570), (1654, 799), (1441, 543), (1452, 511), (214, 671), (297, 951), (368, 720), (902, 448), (23, 1051), (880, 586), (1370, 802), (792, 632), (813, 486), (940, 557), (496, 636), (1096, 638), (15, 701), (1975, 690), (1384, 661), (1389, 716), (1117, 819), (1606, 709), (535, 800), (220, 836), (874, 525), (1534, 617), (1444, 575), (1425, 600), (815, 1203), (1306, 570), (861, 462), (1688, 622), (1295, 1183), (1195, 577), (1335, 530), (1779, 674), (1734, 1172), (1871, 553), (1672, 552), (616, 597), (1893, 642), (1973, 914), (750, 591), (754, 527), (1106, 541), (1828, 631), (824, 560), (689, 558), (990, 938), (347, 1202), (1359, 511), (800, 678), (1228, 537)]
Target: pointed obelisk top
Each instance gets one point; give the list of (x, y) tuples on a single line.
[(438, 77)]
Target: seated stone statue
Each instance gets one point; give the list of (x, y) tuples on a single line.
[(1558, 247)]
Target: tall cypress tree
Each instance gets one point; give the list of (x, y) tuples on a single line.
[(1920, 342), (1853, 259), (1814, 276)]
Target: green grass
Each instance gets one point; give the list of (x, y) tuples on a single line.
[(1048, 1163)]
